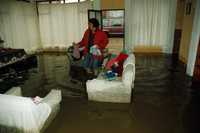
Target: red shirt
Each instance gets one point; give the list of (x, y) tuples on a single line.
[(100, 39)]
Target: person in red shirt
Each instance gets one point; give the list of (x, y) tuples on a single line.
[(92, 45)]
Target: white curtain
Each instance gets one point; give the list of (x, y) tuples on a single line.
[(150, 23), (19, 25), (61, 24)]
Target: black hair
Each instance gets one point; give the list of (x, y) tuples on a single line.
[(94, 21)]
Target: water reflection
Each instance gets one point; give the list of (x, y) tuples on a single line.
[(52, 73)]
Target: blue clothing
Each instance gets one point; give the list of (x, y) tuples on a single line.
[(90, 62), (110, 75)]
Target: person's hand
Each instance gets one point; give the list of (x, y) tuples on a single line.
[(116, 64), (95, 46), (95, 50)]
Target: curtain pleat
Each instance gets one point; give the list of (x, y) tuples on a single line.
[(56, 25), (61, 24), (19, 25), (150, 23)]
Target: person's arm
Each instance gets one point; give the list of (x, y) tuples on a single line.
[(81, 43)]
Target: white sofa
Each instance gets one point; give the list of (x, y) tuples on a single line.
[(116, 91), (21, 115)]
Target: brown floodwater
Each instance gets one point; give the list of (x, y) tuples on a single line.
[(162, 101)]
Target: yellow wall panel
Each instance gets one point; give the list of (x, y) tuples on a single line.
[(112, 4), (186, 34)]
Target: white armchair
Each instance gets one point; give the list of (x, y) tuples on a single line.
[(21, 114), (117, 91), (15, 91)]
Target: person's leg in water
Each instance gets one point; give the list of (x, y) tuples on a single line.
[(96, 65), (91, 64), (86, 63)]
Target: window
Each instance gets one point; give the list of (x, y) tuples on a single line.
[(55, 2), (44, 2), (70, 1), (113, 22), (61, 1)]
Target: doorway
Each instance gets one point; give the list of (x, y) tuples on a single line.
[(196, 74), (112, 22)]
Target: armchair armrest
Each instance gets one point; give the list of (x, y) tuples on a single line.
[(54, 97), (15, 91)]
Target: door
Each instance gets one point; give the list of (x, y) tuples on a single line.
[(177, 41), (112, 22), (196, 74), (96, 14)]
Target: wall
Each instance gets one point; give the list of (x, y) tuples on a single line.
[(194, 41), (180, 13), (97, 4), (186, 34), (112, 4)]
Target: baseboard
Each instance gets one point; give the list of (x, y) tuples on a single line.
[(148, 50)]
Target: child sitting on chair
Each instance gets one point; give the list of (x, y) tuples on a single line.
[(115, 65)]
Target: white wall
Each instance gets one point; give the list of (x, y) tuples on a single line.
[(194, 41), (96, 4)]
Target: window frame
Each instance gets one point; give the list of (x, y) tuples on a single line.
[(58, 1)]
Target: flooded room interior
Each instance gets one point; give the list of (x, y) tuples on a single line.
[(103, 66)]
